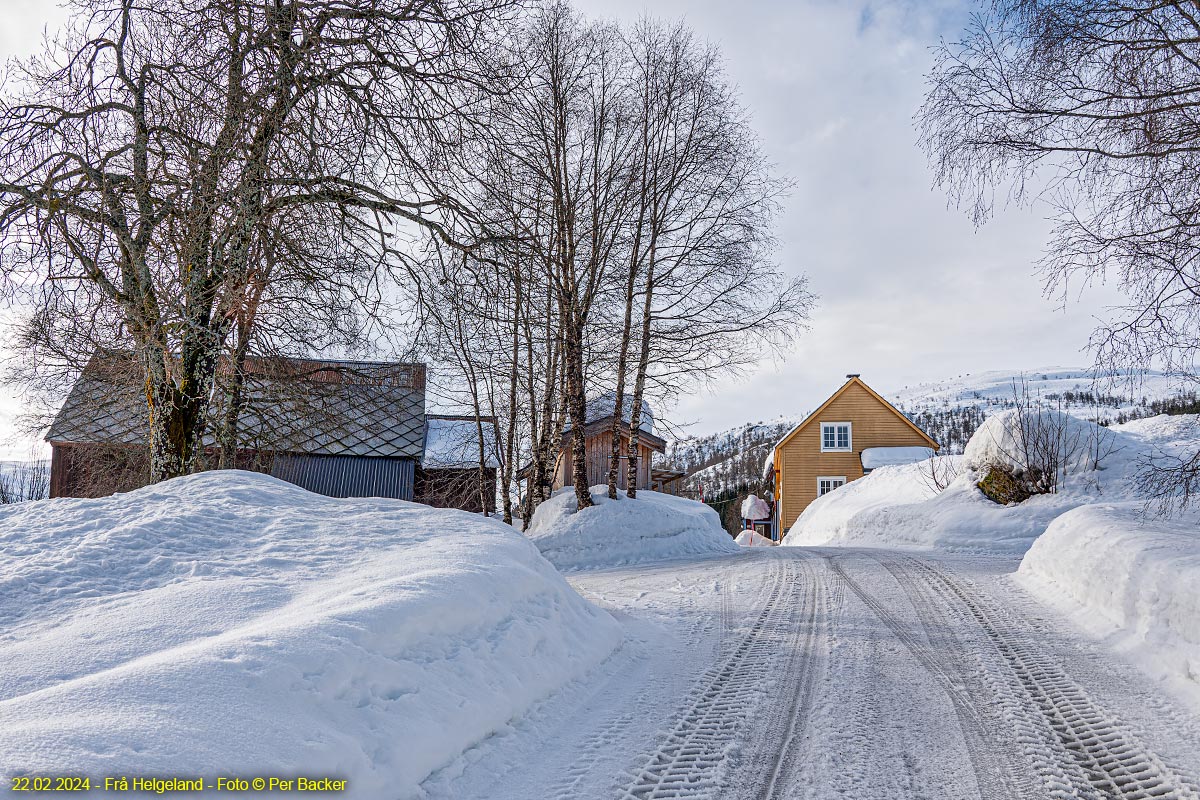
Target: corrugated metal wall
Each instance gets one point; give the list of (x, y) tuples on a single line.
[(347, 476)]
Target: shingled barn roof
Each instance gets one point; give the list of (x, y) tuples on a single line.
[(315, 407)]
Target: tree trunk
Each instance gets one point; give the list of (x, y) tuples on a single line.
[(178, 408), (639, 385), (577, 408)]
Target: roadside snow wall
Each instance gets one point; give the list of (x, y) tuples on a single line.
[(229, 623), (651, 527), (896, 507), (1120, 571)]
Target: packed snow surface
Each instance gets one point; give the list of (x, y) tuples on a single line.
[(876, 457), (1129, 572), (230, 623), (650, 527), (752, 539)]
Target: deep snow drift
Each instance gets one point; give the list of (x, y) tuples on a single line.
[(230, 623), (651, 527), (1135, 575)]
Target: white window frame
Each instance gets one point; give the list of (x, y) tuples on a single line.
[(831, 479), (849, 448)]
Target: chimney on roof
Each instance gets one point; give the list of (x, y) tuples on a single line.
[(853, 375)]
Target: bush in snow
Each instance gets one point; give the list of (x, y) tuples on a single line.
[(1027, 451), (938, 472)]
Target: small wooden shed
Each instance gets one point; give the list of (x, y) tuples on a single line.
[(598, 443)]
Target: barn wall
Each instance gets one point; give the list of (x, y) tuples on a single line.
[(97, 470), (348, 476), (801, 461)]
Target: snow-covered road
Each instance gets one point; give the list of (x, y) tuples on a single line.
[(810, 673)]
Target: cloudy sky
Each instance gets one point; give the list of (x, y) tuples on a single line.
[(909, 290)]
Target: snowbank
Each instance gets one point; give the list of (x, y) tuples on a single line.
[(1122, 572), (899, 506), (650, 527), (230, 623), (752, 539)]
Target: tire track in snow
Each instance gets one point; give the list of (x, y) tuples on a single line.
[(1091, 753), (994, 780), (692, 760), (595, 750), (805, 666)]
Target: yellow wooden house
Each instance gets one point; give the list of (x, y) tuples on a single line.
[(851, 433)]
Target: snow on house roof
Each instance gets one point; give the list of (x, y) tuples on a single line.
[(603, 406), (873, 457), (453, 442)]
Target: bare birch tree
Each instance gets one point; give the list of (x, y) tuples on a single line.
[(702, 229), (1089, 106), (143, 155)]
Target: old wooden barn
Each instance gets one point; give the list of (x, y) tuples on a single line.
[(338, 428)]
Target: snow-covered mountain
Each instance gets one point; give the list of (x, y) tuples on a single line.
[(729, 463)]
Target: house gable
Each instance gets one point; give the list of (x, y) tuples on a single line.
[(801, 461), (847, 386)]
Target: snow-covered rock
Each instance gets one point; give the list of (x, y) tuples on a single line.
[(230, 623), (650, 527), (752, 539), (1002, 440), (1123, 572), (754, 507)]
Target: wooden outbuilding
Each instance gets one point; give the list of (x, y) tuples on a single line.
[(598, 443), (850, 433), (337, 428)]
